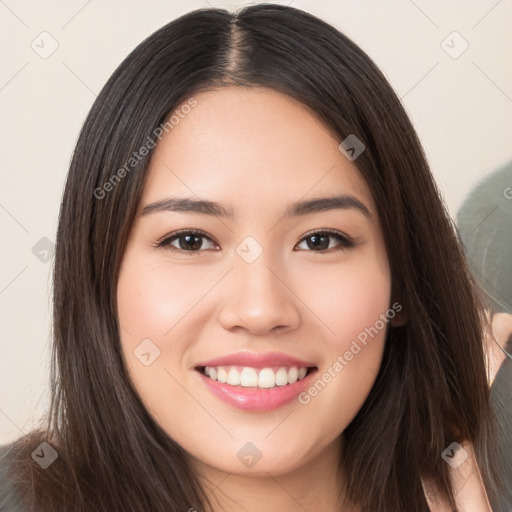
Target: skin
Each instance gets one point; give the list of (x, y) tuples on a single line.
[(254, 151), (470, 494), (501, 330)]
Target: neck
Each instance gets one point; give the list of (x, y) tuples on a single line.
[(317, 484)]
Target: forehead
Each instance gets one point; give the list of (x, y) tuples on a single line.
[(240, 144)]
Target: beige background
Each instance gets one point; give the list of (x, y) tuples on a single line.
[(461, 108)]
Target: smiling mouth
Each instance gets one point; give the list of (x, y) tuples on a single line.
[(262, 378)]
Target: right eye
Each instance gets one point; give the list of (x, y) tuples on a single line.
[(189, 241)]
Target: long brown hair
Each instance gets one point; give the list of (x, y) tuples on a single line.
[(432, 387)]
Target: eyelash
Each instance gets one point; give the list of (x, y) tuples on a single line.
[(345, 241)]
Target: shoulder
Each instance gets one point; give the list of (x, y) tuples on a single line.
[(22, 479), (501, 396), (9, 498)]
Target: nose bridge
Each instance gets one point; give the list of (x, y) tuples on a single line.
[(258, 298)]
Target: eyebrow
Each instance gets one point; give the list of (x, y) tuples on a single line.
[(299, 208)]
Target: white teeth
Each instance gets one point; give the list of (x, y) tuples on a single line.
[(293, 375), (264, 378), (233, 377), (282, 377), (249, 378), (222, 375)]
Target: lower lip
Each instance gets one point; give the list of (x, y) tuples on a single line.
[(256, 399)]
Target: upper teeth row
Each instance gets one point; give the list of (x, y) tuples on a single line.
[(251, 377)]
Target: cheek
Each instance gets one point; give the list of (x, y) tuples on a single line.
[(156, 311), (353, 308), (155, 304), (348, 299), (156, 316)]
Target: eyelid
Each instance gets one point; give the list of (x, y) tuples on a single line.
[(166, 239), (346, 241)]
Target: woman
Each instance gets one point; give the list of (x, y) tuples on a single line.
[(260, 302)]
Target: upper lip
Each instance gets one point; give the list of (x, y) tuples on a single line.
[(255, 360)]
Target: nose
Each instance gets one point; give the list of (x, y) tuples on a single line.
[(259, 300)]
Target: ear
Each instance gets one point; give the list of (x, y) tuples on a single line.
[(399, 318)]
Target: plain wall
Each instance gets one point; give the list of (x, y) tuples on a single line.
[(461, 108)]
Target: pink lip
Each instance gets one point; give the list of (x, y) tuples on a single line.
[(255, 399), (266, 360)]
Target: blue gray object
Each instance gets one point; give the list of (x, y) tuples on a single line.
[(485, 229)]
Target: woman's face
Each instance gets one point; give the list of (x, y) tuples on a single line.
[(292, 323)]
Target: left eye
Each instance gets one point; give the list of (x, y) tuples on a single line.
[(191, 241), (320, 241), (188, 241)]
